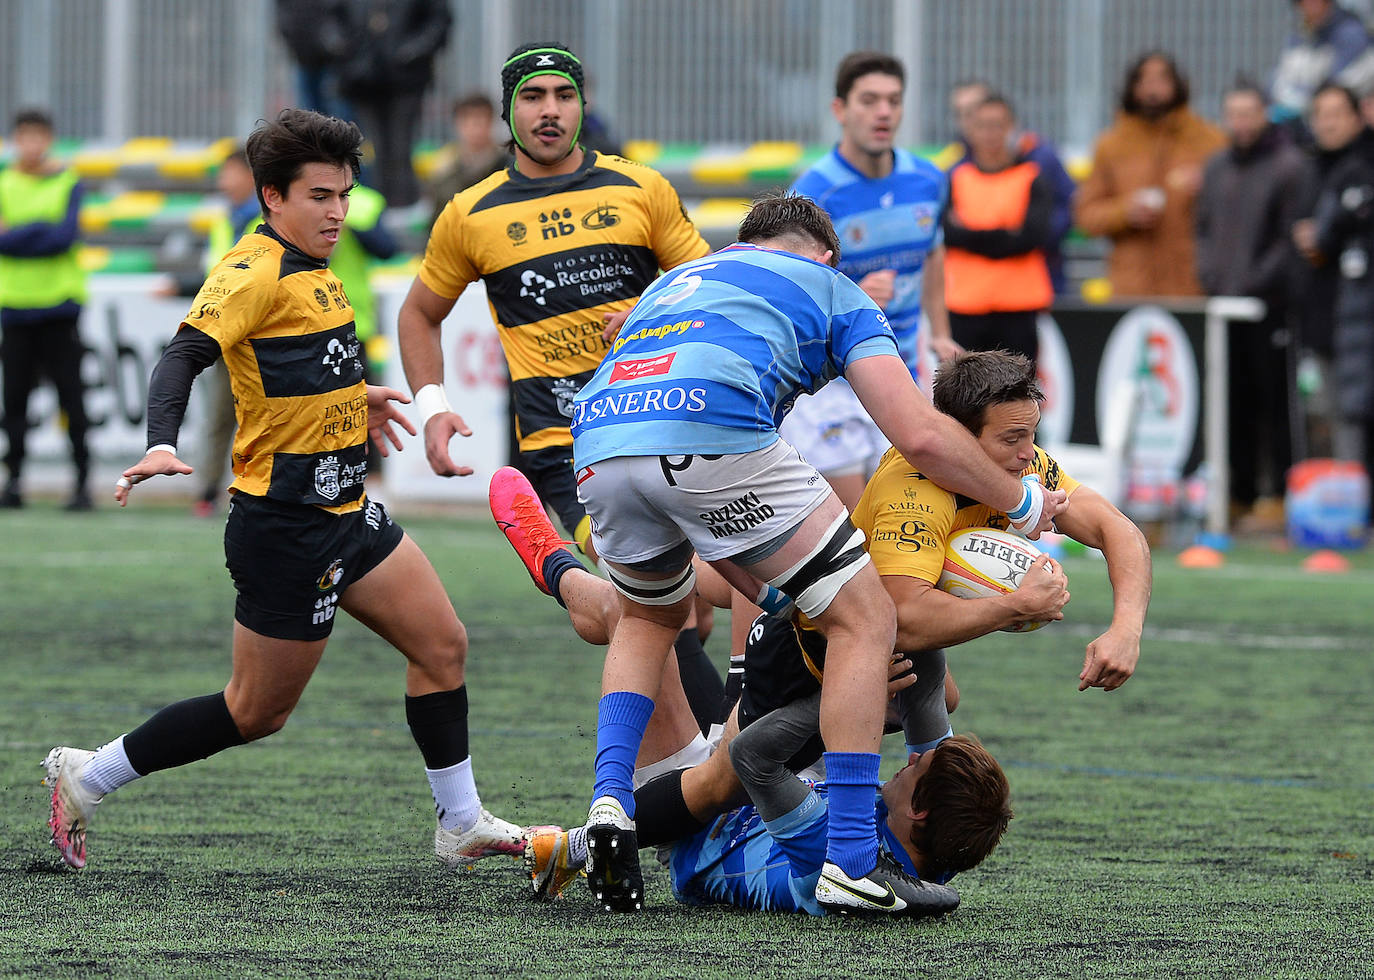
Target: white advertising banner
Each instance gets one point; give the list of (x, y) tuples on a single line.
[(124, 325), (475, 382)]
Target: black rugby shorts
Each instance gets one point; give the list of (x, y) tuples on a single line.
[(292, 562)]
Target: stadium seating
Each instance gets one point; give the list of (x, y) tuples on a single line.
[(151, 200)]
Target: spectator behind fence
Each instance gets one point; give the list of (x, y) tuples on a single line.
[(996, 228), (384, 77), (42, 289), (1147, 169), (1248, 202), (474, 153), (1338, 132), (964, 100), (1330, 44), (596, 130), (1342, 233), (316, 35)]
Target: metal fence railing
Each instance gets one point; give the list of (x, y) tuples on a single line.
[(705, 70)]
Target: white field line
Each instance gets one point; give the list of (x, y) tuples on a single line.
[(1260, 641)]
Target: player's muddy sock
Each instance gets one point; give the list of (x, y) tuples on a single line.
[(577, 847), (455, 796), (621, 718), (700, 679), (851, 779), (187, 731), (555, 566), (661, 813)]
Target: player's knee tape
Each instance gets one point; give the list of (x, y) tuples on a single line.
[(694, 753), (654, 592), (814, 581)]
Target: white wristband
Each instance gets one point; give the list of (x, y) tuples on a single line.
[(431, 400), (162, 447)]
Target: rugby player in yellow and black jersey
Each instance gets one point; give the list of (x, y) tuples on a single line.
[(562, 238), (302, 539), (907, 521)]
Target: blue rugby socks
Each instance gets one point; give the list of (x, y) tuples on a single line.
[(621, 719), (851, 780)]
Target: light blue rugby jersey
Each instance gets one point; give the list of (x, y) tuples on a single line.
[(890, 222), (716, 351), (740, 861)]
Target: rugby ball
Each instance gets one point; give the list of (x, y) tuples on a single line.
[(981, 562)]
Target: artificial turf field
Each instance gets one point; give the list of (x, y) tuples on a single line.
[(1210, 819)]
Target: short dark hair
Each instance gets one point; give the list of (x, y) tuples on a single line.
[(997, 98), (971, 81), (237, 155), (1245, 85), (860, 63), (781, 215), (278, 150), (33, 116), (967, 803), (474, 100), (967, 385), (1348, 94), (1129, 104)]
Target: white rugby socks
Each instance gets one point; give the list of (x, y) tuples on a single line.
[(455, 795), (108, 769)]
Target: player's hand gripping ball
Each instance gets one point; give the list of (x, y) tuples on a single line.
[(981, 562)]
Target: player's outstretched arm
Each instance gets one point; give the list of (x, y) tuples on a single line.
[(169, 389), (1111, 658), (928, 617), (418, 331), (157, 462), (943, 449)]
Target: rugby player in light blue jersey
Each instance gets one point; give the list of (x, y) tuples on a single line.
[(677, 451), (886, 205)]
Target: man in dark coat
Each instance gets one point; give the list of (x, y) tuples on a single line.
[(384, 78), (1343, 228), (1249, 199), (1344, 146)]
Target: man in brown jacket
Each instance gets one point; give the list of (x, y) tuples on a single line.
[(1147, 169)]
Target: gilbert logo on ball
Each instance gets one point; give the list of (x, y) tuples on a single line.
[(981, 562)]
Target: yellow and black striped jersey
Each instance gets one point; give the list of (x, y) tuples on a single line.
[(556, 254), (285, 327), (908, 520)]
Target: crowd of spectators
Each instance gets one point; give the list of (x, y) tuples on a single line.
[(1277, 203)]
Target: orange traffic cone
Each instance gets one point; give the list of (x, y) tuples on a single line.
[(1326, 561)]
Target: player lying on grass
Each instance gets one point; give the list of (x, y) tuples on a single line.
[(942, 813)]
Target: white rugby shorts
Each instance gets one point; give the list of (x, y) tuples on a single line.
[(726, 506), (834, 433)]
